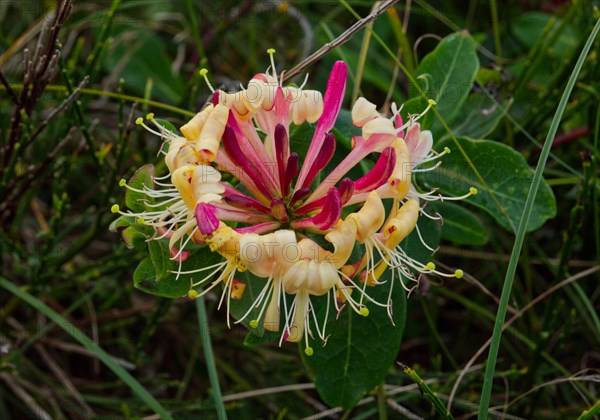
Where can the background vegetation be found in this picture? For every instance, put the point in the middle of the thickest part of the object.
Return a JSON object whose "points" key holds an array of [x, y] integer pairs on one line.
{"points": [[75, 77]]}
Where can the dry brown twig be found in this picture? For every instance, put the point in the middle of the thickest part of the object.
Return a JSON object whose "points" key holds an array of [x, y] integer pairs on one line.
{"points": [[340, 40]]}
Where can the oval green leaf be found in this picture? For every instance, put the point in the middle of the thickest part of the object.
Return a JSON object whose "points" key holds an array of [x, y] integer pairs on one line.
{"points": [[143, 177], [506, 174], [461, 225], [447, 75]]}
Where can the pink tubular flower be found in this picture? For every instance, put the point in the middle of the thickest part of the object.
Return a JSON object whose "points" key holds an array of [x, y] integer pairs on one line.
{"points": [[268, 219]]}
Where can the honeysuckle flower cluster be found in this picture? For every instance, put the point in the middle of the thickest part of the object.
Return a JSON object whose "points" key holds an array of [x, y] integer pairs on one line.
{"points": [[266, 219]]}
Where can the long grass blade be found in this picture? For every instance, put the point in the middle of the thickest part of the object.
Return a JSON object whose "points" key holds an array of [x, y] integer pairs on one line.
{"points": [[514, 259], [209, 358], [137, 388]]}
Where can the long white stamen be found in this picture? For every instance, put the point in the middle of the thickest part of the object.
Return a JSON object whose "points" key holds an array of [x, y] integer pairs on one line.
{"points": [[423, 240], [363, 293], [271, 52], [220, 265], [259, 299], [414, 119], [304, 82], [184, 244], [430, 169]]}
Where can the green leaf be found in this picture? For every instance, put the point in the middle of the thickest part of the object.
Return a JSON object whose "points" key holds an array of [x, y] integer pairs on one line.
{"points": [[479, 116], [159, 255], [506, 173], [134, 238], [300, 138], [155, 274], [361, 350], [167, 125], [344, 130], [416, 106], [140, 179], [121, 222], [461, 225], [146, 56], [252, 339], [528, 28], [447, 75]]}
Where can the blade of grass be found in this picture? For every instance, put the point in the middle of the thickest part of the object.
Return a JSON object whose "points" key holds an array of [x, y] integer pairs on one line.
{"points": [[514, 259], [137, 388], [590, 412], [362, 56], [209, 359]]}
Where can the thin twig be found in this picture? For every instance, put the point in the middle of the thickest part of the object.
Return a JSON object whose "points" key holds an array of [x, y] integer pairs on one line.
{"points": [[403, 411], [343, 38], [58, 110], [9, 90], [267, 391], [27, 399], [64, 379]]}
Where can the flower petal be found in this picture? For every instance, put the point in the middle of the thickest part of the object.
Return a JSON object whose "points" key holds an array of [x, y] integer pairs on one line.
{"points": [[332, 101]]}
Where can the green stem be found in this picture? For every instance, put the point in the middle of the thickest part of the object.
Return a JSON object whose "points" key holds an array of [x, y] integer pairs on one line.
{"points": [[428, 393], [514, 258], [209, 358], [496, 29], [381, 404]]}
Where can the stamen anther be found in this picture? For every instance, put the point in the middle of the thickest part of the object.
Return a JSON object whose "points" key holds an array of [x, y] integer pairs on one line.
{"points": [[203, 72]]}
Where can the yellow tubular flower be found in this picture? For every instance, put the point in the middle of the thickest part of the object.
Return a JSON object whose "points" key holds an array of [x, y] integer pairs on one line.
{"points": [[263, 253], [181, 180], [402, 224], [197, 183], [342, 239], [210, 136], [194, 127], [226, 242], [205, 183], [181, 152], [378, 125], [369, 218], [254, 95], [315, 105], [363, 111], [400, 180]]}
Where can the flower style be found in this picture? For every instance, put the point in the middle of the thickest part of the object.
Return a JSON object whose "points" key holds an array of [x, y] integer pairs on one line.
{"points": [[268, 218]]}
